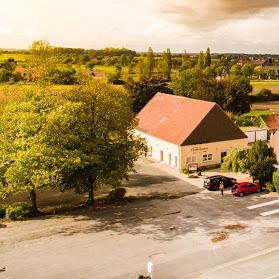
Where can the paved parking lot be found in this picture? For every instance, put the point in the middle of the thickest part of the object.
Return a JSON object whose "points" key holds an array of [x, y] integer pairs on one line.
{"points": [[186, 234]]}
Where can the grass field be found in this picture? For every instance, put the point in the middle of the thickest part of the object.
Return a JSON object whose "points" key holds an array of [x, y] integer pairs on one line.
{"points": [[20, 57], [110, 69], [272, 106], [272, 85], [259, 113]]}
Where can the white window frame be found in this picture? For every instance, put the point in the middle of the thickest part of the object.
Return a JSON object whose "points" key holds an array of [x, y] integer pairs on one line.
{"points": [[175, 161], [207, 157]]}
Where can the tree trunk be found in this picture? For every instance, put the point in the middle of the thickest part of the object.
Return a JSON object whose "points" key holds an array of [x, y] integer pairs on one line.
{"points": [[91, 189], [91, 200], [33, 197]]}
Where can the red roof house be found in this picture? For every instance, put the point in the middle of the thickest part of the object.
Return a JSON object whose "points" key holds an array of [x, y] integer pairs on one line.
{"points": [[189, 124]]}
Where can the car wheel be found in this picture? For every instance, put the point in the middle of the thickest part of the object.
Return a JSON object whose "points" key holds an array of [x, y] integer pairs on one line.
{"points": [[259, 190], [241, 194]]}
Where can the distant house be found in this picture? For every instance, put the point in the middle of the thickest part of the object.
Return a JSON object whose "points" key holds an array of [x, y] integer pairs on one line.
{"points": [[255, 62], [272, 123], [183, 132]]}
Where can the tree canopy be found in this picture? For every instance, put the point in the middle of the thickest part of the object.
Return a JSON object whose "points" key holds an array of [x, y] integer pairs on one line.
{"points": [[231, 93], [257, 161], [142, 91], [79, 140]]}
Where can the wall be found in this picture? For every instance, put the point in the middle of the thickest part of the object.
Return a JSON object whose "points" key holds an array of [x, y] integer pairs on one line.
{"points": [[170, 150], [256, 134], [214, 148]]}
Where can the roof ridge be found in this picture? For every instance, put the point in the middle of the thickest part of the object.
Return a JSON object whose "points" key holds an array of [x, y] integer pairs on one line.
{"points": [[183, 97]]}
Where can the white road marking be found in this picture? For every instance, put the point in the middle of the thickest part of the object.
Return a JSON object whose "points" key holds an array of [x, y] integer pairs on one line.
{"points": [[274, 276], [262, 204], [267, 213]]}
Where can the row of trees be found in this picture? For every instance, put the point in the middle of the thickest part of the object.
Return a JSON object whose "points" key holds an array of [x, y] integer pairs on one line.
{"points": [[77, 140], [231, 93]]}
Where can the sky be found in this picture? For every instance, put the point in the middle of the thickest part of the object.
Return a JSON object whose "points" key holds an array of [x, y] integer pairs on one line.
{"points": [[242, 26]]}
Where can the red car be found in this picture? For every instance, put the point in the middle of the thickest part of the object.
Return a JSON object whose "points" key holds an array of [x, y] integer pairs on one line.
{"points": [[244, 188]]}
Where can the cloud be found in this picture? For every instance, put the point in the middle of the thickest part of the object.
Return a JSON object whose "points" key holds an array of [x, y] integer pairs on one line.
{"points": [[208, 14]]}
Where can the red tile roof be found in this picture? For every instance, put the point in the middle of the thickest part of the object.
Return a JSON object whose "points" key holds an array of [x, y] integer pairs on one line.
{"points": [[272, 121], [185, 121]]}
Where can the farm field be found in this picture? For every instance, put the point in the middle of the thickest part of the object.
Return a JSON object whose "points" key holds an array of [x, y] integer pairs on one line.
{"points": [[272, 85], [20, 57]]}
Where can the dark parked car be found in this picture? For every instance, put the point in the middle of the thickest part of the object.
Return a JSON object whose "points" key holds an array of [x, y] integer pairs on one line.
{"points": [[244, 188], [212, 183]]}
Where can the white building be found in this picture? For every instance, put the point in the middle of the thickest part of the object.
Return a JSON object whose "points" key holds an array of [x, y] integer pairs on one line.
{"points": [[183, 132]]}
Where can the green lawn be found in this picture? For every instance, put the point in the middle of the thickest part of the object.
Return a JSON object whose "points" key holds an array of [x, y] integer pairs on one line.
{"points": [[110, 69], [258, 113], [272, 85]]}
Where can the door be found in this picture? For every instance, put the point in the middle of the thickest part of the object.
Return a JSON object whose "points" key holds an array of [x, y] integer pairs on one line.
{"points": [[161, 156], [169, 159]]}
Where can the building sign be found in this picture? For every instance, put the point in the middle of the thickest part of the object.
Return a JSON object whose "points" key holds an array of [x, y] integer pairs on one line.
{"points": [[192, 166], [194, 149]]}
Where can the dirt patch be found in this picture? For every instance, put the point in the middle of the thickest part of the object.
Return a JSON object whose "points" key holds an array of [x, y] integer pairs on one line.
{"points": [[219, 236], [2, 226], [235, 227]]}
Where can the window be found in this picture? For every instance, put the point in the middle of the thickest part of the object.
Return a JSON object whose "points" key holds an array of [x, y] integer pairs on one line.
{"points": [[169, 159], [161, 156], [175, 161], [207, 157], [150, 151], [191, 159]]}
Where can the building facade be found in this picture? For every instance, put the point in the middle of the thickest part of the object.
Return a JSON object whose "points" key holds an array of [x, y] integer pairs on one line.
{"points": [[186, 133]]}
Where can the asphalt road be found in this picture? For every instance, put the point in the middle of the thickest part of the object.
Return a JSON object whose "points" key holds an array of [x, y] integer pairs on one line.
{"points": [[262, 265], [176, 233]]}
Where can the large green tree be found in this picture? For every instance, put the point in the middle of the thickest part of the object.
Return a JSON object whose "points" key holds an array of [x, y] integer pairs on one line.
{"points": [[167, 64], [207, 58], [231, 93], [150, 62], [257, 161], [201, 61], [142, 91], [247, 70], [80, 140], [23, 158]]}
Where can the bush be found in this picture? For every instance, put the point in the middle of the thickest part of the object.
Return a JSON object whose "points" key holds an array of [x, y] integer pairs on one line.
{"points": [[117, 194], [270, 187], [18, 211], [275, 180], [264, 95], [2, 211]]}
